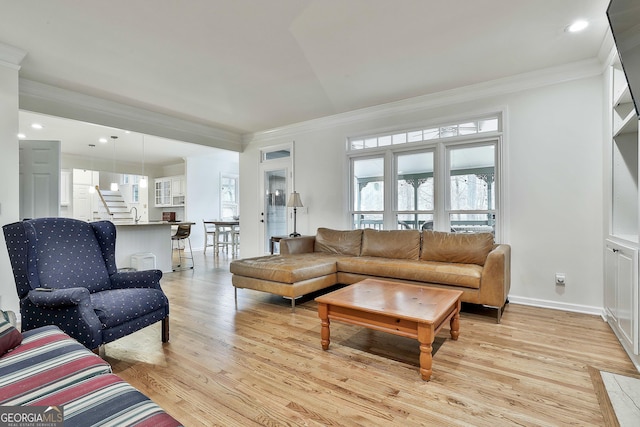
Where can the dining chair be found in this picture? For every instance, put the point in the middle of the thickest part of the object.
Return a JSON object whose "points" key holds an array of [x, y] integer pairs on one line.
{"points": [[209, 232]]}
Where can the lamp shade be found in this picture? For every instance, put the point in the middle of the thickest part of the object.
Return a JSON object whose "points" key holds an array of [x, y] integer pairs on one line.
{"points": [[294, 200]]}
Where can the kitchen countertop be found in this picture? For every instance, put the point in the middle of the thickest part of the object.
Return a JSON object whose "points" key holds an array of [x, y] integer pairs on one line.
{"points": [[143, 223]]}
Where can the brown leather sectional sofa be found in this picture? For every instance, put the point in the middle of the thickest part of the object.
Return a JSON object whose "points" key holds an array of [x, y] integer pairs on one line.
{"points": [[469, 262]]}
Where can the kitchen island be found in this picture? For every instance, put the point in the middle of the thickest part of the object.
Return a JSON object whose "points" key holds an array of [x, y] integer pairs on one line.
{"points": [[145, 237]]}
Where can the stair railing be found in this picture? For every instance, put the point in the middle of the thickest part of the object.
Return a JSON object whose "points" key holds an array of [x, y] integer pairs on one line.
{"points": [[104, 202]]}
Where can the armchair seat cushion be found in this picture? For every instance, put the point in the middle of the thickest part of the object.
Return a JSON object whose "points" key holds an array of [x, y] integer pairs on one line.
{"points": [[117, 306]]}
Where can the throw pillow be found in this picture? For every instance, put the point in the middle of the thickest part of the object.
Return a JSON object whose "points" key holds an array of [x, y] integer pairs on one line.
{"points": [[10, 337]]}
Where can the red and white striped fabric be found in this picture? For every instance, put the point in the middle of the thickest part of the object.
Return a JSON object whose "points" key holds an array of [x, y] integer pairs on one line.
{"points": [[107, 400], [47, 360], [49, 368]]}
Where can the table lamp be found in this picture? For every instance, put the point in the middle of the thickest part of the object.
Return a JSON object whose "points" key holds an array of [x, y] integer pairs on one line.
{"points": [[294, 202]]}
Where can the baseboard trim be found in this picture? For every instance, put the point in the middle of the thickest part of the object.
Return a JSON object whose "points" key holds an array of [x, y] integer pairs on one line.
{"points": [[576, 308]]}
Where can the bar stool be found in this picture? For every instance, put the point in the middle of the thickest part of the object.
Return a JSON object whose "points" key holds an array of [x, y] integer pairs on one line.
{"points": [[182, 233]]}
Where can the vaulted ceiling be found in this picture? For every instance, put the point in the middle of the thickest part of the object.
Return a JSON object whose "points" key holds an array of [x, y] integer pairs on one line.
{"points": [[248, 65], [251, 65]]}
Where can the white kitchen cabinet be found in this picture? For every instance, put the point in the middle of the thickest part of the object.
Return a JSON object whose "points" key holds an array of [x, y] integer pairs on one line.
{"points": [[178, 190], [169, 191]]}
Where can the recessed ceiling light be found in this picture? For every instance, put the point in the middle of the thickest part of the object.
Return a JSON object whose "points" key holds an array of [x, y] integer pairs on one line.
{"points": [[22, 136], [102, 140], [36, 126], [577, 26]]}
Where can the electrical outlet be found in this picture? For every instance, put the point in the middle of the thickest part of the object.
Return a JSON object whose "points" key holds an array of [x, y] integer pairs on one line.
{"points": [[560, 279]]}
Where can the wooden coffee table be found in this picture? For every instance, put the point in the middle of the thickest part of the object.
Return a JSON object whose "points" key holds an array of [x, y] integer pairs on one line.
{"points": [[411, 311]]}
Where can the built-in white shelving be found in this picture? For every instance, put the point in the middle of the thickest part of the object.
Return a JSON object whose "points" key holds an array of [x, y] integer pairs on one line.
{"points": [[622, 245]]}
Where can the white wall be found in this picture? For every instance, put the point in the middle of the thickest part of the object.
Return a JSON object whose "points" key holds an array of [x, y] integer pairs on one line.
{"points": [[9, 166], [553, 178], [203, 189]]}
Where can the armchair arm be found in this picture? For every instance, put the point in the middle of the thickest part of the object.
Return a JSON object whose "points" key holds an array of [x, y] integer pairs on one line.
{"points": [[297, 245], [58, 298], [70, 309], [136, 279]]}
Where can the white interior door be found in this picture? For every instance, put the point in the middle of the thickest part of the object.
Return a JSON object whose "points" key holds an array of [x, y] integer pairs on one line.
{"points": [[83, 197], [39, 179]]}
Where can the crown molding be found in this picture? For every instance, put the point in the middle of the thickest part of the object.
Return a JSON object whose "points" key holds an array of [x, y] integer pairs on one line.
{"points": [[513, 84], [55, 101], [11, 57]]}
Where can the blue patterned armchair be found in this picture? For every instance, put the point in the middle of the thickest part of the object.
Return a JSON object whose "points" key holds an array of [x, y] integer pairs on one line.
{"points": [[66, 275]]}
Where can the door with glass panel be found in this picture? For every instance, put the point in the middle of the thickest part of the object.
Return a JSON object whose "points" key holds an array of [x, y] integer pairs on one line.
{"points": [[472, 192], [275, 171], [274, 214], [414, 206]]}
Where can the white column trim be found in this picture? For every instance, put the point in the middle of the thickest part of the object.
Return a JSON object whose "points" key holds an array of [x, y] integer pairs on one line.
{"points": [[55, 101]]}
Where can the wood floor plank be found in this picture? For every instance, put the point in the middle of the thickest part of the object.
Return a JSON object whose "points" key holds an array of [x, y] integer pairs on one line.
{"points": [[263, 365]]}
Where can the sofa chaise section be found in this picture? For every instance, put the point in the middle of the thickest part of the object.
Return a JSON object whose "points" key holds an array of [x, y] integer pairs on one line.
{"points": [[288, 276]]}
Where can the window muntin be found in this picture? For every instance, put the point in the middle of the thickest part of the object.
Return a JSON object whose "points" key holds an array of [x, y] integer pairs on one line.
{"points": [[368, 192], [469, 127], [414, 195], [453, 188], [472, 192]]}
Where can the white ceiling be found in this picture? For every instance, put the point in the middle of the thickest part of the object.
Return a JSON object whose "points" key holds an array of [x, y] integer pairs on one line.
{"points": [[77, 137], [249, 65]]}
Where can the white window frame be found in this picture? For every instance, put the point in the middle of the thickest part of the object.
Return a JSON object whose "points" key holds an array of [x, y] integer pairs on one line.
{"points": [[235, 205], [441, 148]]}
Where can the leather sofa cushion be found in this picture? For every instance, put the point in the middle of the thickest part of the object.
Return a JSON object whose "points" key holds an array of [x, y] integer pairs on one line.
{"points": [[465, 248], [465, 275], [394, 244], [338, 242], [285, 268]]}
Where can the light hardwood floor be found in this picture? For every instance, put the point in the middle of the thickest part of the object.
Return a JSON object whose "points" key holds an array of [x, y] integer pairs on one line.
{"points": [[263, 365]]}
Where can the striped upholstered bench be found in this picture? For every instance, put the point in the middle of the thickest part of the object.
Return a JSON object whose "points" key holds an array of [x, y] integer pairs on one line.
{"points": [[49, 368], [106, 400], [47, 360]]}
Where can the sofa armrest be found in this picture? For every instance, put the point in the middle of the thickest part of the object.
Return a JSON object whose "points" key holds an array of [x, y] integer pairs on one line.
{"points": [[496, 275], [297, 245], [58, 298]]}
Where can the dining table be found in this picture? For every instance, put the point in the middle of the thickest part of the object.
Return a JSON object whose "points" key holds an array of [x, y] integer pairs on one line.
{"points": [[224, 228]]}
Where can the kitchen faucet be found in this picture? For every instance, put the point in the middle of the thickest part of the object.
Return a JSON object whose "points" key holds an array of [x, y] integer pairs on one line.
{"points": [[136, 218]]}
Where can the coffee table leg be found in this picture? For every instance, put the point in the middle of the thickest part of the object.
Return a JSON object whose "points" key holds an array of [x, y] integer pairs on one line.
{"points": [[455, 323], [323, 313], [425, 338]]}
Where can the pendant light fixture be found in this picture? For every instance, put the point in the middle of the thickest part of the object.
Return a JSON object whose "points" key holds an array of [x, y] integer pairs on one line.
{"points": [[143, 179], [114, 184]]}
